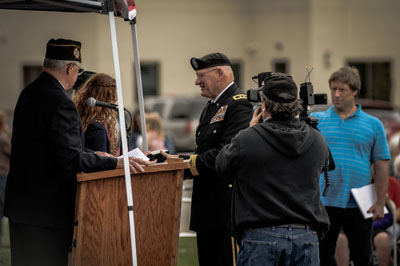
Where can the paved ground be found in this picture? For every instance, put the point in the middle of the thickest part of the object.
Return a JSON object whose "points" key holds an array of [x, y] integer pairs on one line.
{"points": [[185, 209]]}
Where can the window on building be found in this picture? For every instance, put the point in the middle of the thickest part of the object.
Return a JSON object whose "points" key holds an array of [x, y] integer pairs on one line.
{"points": [[237, 72], [150, 78], [280, 65], [31, 72], [375, 79]]}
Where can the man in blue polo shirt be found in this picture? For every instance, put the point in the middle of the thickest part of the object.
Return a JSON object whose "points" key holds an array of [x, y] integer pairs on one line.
{"points": [[357, 142]]}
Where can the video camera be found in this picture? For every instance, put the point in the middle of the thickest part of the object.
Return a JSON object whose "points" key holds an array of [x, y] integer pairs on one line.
{"points": [[253, 95], [307, 96]]}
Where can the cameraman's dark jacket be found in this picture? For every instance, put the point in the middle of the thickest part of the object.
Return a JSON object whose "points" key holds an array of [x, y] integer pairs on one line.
{"points": [[276, 166]]}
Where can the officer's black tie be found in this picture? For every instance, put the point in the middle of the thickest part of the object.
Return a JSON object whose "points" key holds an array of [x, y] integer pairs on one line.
{"points": [[210, 107]]}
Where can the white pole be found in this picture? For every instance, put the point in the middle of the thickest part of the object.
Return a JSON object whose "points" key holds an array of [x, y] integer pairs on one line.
{"points": [[139, 85], [123, 136]]}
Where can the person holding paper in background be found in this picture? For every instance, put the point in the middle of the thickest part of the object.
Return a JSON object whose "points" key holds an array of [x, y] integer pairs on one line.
{"points": [[356, 141], [382, 233]]}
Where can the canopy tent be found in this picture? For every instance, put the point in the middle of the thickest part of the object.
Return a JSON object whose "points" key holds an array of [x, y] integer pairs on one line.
{"points": [[61, 5], [121, 8]]}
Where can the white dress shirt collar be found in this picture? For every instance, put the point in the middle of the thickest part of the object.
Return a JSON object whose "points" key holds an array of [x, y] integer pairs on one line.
{"points": [[219, 95]]}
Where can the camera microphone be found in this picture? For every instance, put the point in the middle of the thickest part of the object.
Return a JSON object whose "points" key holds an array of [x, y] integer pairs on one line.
{"points": [[93, 102]]}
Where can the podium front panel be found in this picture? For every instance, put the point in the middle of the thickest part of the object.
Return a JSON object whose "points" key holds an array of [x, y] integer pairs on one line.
{"points": [[102, 232]]}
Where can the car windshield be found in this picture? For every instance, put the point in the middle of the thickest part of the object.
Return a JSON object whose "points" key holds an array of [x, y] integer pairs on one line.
{"points": [[159, 108], [186, 109]]}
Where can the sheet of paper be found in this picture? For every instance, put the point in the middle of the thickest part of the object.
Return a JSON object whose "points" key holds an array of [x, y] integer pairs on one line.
{"points": [[366, 197], [137, 153]]}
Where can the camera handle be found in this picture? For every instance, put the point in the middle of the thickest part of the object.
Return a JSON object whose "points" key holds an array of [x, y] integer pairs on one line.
{"points": [[330, 164]]}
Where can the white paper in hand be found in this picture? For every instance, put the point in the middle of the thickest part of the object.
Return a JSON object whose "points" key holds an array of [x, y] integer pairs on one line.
{"points": [[137, 153], [366, 197]]}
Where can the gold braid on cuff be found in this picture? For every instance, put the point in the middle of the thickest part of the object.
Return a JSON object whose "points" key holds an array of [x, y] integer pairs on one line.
{"points": [[193, 168]]}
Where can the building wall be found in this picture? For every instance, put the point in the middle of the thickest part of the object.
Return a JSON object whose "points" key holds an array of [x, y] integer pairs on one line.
{"points": [[25, 35], [356, 29], [280, 30], [308, 33]]}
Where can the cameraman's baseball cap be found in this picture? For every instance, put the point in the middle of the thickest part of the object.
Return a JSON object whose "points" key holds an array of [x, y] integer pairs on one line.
{"points": [[280, 88], [62, 49], [210, 60]]}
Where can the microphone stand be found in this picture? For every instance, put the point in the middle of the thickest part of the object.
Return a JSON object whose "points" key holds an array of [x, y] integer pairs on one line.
{"points": [[127, 128]]}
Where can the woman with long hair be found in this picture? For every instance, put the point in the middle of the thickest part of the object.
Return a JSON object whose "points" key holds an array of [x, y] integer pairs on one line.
{"points": [[99, 123]]}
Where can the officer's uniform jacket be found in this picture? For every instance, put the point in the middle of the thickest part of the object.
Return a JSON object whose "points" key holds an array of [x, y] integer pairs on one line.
{"points": [[219, 123]]}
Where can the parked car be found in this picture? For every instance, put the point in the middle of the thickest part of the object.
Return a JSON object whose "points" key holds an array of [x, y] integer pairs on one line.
{"points": [[385, 111], [180, 116]]}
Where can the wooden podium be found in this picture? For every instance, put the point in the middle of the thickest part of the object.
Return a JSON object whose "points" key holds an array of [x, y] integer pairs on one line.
{"points": [[102, 233]]}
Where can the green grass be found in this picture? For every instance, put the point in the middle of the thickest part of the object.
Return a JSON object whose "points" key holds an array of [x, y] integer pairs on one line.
{"points": [[187, 250], [5, 259]]}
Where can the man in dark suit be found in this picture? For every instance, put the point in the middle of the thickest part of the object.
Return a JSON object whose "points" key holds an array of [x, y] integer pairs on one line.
{"points": [[46, 154], [227, 112]]}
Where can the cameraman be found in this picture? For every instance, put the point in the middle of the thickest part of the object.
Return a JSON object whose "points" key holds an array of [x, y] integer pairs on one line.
{"points": [[275, 166]]}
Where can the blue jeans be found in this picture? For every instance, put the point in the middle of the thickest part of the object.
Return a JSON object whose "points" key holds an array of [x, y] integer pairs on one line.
{"points": [[279, 246]]}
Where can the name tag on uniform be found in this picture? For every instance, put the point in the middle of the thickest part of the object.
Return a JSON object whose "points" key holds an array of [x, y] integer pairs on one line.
{"points": [[219, 116]]}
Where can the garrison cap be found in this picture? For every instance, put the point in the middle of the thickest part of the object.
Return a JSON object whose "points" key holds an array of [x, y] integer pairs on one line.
{"points": [[62, 49], [280, 88], [210, 60]]}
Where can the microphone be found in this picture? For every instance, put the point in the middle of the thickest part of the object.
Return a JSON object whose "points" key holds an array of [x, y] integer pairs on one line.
{"points": [[93, 102]]}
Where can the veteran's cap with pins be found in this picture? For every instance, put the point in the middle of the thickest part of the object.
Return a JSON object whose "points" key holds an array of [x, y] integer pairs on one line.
{"points": [[62, 49]]}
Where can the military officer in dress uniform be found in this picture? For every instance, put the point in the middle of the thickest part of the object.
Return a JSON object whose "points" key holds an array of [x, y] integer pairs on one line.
{"points": [[226, 113]]}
